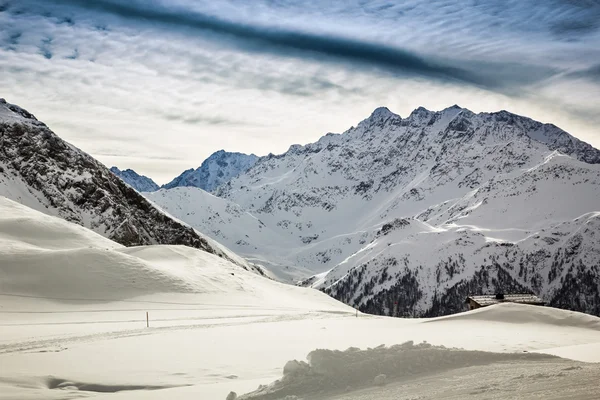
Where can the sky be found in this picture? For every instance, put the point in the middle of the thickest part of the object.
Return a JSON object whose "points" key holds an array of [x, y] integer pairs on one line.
{"points": [[159, 85]]}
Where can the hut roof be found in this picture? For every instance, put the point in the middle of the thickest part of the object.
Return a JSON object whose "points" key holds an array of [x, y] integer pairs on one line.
{"points": [[488, 300]]}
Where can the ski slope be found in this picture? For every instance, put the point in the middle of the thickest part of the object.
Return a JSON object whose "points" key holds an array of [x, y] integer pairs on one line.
{"points": [[73, 325]]}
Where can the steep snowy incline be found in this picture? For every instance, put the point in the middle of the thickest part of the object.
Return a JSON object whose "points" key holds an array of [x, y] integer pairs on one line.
{"points": [[217, 169], [43, 172], [498, 177], [141, 183]]}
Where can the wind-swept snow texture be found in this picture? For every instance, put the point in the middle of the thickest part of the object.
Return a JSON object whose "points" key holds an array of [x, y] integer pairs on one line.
{"points": [[407, 216], [141, 183], [41, 171], [217, 169]]}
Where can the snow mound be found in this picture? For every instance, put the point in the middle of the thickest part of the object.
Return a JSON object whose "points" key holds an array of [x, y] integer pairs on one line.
{"points": [[513, 313], [19, 224], [330, 371], [47, 257]]}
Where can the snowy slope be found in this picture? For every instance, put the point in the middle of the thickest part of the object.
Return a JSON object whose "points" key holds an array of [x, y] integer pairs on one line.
{"points": [[73, 316], [228, 223], [141, 183], [43, 172], [462, 180], [47, 257], [217, 169]]}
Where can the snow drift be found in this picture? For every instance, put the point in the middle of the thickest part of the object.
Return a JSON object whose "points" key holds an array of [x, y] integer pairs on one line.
{"points": [[328, 372]]}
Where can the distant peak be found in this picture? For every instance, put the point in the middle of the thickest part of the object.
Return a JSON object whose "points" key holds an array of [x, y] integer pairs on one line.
{"points": [[382, 113], [223, 153], [420, 112]]}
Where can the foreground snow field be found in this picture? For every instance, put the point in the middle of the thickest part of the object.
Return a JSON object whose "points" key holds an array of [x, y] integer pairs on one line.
{"points": [[73, 325]]}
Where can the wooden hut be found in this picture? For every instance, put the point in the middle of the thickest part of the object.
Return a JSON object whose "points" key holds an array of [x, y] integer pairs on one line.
{"points": [[475, 302]]}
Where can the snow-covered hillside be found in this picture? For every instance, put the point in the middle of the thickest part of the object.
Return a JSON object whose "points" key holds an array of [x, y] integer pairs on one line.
{"points": [[420, 211], [43, 172], [217, 169], [141, 183], [73, 316], [230, 224], [47, 257]]}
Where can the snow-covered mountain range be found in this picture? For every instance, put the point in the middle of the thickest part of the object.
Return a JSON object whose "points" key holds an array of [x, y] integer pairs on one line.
{"points": [[219, 168], [141, 183], [407, 216], [47, 174]]}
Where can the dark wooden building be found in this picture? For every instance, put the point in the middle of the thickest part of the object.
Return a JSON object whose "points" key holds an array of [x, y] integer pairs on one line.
{"points": [[475, 302]]}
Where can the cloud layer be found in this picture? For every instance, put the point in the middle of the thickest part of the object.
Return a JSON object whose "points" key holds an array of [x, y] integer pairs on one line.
{"points": [[118, 77]]}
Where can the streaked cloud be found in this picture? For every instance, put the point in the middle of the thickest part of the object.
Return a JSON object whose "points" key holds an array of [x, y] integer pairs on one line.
{"points": [[259, 76]]}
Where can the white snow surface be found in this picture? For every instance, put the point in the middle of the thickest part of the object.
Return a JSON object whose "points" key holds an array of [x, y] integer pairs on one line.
{"points": [[73, 325]]}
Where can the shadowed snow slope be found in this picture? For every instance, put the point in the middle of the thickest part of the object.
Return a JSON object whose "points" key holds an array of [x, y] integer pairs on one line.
{"points": [[328, 372], [387, 373]]}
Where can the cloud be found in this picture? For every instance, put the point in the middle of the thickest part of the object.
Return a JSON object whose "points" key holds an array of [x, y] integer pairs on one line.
{"points": [[158, 85], [196, 119], [300, 43], [45, 48], [592, 73]]}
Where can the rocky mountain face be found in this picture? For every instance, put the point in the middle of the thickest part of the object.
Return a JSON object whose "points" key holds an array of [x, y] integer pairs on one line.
{"points": [[217, 169], [406, 216], [139, 182], [43, 172]]}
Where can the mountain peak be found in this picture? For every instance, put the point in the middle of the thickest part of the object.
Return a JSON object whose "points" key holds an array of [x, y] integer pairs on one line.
{"points": [[218, 168], [453, 107], [382, 113], [14, 113], [139, 182], [379, 117], [420, 113]]}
